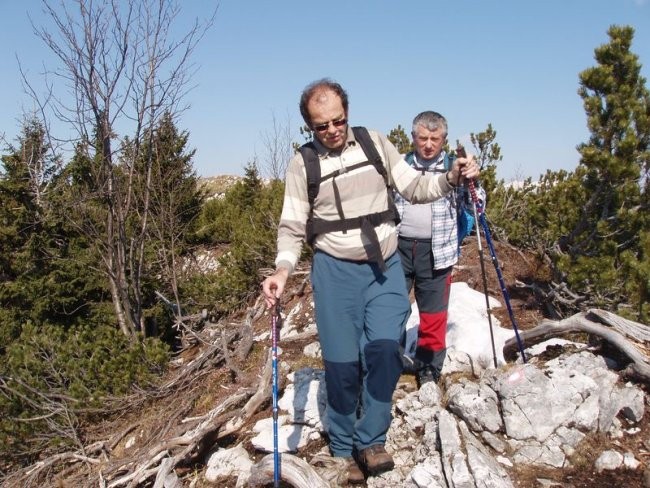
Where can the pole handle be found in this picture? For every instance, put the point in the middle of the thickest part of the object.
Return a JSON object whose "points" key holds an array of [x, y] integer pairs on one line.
{"points": [[461, 153]]}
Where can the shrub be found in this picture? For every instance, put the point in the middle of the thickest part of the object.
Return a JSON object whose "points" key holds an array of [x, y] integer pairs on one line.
{"points": [[52, 379]]}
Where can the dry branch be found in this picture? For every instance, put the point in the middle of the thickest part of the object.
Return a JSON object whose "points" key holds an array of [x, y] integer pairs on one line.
{"points": [[252, 315], [292, 470], [193, 444], [262, 395], [613, 329], [175, 441], [629, 328]]}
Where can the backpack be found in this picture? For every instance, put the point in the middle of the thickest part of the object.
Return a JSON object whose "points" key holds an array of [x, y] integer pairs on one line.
{"points": [[366, 223], [465, 211]]}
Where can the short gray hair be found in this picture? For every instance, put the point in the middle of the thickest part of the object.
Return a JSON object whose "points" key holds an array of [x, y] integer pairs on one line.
{"points": [[430, 120]]}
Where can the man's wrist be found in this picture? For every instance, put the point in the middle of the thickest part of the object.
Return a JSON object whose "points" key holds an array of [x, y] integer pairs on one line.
{"points": [[283, 271]]}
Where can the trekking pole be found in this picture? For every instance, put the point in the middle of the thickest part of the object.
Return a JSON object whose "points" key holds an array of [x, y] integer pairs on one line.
{"points": [[461, 153], [486, 231], [275, 324], [485, 285]]}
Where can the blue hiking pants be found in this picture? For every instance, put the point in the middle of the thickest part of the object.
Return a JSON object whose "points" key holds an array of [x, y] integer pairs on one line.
{"points": [[360, 314]]}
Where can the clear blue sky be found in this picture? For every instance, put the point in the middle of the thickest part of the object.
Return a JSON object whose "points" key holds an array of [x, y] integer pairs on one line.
{"points": [[511, 63]]}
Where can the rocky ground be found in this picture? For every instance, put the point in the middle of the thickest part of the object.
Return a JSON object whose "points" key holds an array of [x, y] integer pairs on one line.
{"points": [[519, 268], [217, 384], [519, 271]]}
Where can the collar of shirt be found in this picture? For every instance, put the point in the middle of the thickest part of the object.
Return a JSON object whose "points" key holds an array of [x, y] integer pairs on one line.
{"points": [[435, 164], [324, 152]]}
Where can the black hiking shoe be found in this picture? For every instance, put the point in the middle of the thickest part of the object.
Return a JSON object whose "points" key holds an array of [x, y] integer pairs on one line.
{"points": [[426, 375]]}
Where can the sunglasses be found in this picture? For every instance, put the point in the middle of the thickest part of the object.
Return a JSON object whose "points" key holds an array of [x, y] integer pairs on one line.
{"points": [[336, 123]]}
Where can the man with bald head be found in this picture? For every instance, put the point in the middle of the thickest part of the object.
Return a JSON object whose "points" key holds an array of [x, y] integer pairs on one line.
{"points": [[360, 298]]}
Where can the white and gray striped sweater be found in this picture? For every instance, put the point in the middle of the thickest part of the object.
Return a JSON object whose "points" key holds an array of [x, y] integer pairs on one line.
{"points": [[363, 191]]}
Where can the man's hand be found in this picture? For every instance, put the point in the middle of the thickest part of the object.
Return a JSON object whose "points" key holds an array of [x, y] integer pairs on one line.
{"points": [[462, 169], [273, 286]]}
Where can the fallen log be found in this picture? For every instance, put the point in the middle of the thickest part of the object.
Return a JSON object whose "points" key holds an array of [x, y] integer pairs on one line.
{"points": [[293, 470], [629, 328], [614, 332]]}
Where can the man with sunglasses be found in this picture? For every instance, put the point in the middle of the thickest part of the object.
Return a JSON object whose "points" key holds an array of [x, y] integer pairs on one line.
{"points": [[360, 298]]}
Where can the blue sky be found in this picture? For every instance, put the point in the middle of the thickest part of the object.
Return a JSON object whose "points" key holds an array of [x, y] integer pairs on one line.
{"points": [[511, 63]]}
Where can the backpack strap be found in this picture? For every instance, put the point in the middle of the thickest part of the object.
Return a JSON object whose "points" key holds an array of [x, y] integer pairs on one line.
{"points": [[363, 137], [366, 223], [312, 169], [312, 163], [449, 161]]}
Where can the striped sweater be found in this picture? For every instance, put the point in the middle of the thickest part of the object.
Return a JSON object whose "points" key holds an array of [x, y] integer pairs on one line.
{"points": [[362, 191]]}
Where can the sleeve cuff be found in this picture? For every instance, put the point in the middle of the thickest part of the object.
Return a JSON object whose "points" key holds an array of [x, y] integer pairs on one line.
{"points": [[284, 264]]}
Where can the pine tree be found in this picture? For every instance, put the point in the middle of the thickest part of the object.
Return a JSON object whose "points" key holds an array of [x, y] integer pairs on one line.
{"points": [[19, 225], [606, 252], [247, 220], [174, 201], [488, 154], [400, 140]]}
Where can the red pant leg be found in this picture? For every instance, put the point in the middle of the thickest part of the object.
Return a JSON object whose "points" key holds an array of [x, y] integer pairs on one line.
{"points": [[433, 330]]}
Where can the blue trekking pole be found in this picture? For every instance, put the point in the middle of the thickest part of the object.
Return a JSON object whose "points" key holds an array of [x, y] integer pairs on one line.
{"points": [[275, 323], [495, 261], [486, 231]]}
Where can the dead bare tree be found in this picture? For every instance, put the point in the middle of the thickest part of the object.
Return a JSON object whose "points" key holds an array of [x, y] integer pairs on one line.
{"points": [[119, 71], [277, 148]]}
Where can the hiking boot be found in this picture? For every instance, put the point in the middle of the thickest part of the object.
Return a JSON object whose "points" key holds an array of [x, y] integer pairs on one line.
{"points": [[426, 375], [355, 475], [374, 460]]}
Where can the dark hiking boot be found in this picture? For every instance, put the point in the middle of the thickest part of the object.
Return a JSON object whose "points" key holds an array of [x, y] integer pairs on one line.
{"points": [[374, 460], [426, 375], [430, 365], [355, 475], [438, 361]]}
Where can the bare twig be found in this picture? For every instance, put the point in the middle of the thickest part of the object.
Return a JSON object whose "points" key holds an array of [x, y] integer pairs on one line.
{"points": [[639, 366]]}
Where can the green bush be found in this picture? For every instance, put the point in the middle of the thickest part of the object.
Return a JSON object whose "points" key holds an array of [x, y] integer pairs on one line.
{"points": [[247, 219], [53, 379]]}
